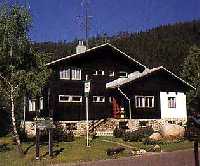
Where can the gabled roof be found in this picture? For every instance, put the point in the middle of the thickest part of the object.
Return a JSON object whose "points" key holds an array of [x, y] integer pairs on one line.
{"points": [[95, 48], [136, 75]]}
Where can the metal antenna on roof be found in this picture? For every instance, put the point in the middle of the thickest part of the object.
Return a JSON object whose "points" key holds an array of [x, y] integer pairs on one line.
{"points": [[86, 19]]}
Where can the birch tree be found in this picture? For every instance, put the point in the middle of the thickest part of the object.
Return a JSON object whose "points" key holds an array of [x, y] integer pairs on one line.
{"points": [[21, 69]]}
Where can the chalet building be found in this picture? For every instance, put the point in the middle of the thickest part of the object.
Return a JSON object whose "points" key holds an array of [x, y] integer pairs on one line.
{"points": [[122, 91]]}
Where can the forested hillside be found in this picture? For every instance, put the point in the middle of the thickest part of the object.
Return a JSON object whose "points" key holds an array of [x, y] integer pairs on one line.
{"points": [[165, 45]]}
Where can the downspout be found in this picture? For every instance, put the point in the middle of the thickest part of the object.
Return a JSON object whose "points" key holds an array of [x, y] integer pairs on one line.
{"points": [[129, 102]]}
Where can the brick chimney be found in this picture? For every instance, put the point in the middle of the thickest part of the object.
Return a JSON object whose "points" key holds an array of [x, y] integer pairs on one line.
{"points": [[80, 48]]}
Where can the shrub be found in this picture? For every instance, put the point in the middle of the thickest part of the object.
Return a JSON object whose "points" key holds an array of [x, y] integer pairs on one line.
{"points": [[138, 135], [61, 135], [115, 150], [118, 133]]}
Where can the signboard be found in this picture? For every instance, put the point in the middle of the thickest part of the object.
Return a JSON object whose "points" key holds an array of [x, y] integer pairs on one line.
{"points": [[87, 88], [42, 123]]}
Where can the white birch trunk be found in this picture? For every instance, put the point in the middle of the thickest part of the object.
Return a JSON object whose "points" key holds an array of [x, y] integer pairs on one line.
{"points": [[14, 128]]}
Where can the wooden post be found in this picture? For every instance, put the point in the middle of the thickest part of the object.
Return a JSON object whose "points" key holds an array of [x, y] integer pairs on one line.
{"points": [[50, 143], [196, 153], [37, 144]]}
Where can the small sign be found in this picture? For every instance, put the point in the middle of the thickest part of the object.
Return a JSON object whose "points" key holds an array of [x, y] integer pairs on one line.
{"points": [[87, 88], [44, 123]]}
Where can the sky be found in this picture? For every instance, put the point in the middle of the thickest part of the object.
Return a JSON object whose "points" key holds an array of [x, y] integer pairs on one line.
{"points": [[59, 20]]}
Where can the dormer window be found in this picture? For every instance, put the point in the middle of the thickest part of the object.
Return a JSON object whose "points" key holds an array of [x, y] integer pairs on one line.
{"points": [[65, 74], [123, 74]]}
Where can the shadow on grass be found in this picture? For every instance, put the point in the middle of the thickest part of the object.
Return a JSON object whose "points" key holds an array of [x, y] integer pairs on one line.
{"points": [[4, 148], [55, 152], [28, 148]]}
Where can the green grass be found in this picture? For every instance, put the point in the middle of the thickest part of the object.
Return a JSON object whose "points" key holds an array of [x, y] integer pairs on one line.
{"points": [[75, 151]]}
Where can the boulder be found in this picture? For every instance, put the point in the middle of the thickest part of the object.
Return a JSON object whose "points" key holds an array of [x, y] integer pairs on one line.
{"points": [[157, 148], [172, 131], [155, 136]]}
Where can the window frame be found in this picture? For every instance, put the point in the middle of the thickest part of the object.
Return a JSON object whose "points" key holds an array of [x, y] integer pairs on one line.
{"points": [[70, 99], [123, 72], [76, 70], [140, 101], [98, 99], [111, 73], [171, 103], [65, 72], [32, 105]]}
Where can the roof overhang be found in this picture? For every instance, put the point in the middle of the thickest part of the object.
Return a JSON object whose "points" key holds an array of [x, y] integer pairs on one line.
{"points": [[92, 49], [137, 75]]}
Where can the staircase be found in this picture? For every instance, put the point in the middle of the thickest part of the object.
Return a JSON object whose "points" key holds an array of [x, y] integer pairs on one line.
{"points": [[104, 127]]}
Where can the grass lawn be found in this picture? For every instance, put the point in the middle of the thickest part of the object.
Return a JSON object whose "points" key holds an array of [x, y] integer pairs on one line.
{"points": [[76, 151]]}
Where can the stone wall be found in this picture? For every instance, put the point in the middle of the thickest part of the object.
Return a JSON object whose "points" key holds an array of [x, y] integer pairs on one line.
{"points": [[106, 127]]}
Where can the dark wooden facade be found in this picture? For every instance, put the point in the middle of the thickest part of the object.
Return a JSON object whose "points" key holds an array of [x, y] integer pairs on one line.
{"points": [[149, 85], [105, 58]]}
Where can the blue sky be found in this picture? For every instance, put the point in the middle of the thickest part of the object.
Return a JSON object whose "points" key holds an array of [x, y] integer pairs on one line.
{"points": [[56, 20]]}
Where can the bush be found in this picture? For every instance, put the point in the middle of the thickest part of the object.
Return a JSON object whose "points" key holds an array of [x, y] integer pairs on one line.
{"points": [[148, 141], [115, 150], [61, 135], [118, 133], [138, 135]]}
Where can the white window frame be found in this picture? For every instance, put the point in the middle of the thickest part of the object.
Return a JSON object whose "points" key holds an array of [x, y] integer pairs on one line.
{"points": [[65, 74], [171, 101], [32, 105], [41, 103], [111, 73], [70, 99], [98, 99], [76, 74], [140, 102], [123, 76], [99, 72]]}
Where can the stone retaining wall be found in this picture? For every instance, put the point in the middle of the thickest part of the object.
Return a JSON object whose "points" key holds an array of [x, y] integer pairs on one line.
{"points": [[106, 126]]}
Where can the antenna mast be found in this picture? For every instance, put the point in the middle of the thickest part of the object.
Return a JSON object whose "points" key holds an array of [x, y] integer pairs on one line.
{"points": [[86, 17]]}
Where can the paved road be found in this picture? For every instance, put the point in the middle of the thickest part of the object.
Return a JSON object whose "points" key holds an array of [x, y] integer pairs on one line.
{"points": [[177, 158]]}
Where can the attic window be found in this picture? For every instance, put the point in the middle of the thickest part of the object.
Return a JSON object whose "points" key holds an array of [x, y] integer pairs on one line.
{"points": [[98, 99], [111, 73], [65, 74], [76, 74], [99, 72], [123, 74]]}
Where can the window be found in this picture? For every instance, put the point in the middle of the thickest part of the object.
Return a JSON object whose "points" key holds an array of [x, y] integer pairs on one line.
{"points": [[68, 98], [64, 98], [65, 74], [171, 102], [110, 99], [98, 99], [99, 72], [111, 73], [76, 99], [41, 103], [123, 74], [76, 74], [144, 101], [32, 105]]}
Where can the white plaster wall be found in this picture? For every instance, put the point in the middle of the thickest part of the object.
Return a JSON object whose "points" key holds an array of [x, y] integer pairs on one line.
{"points": [[179, 112]]}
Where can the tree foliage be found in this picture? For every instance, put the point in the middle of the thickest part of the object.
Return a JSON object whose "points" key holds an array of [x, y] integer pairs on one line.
{"points": [[22, 70]]}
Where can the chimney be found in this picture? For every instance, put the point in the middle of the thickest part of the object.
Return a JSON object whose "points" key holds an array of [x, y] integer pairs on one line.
{"points": [[80, 48]]}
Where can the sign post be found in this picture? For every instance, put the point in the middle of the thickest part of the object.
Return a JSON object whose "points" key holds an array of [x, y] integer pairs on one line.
{"points": [[86, 92]]}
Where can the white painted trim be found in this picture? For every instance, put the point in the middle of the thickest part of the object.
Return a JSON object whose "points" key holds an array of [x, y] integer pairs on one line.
{"points": [[98, 99], [88, 50], [70, 99]]}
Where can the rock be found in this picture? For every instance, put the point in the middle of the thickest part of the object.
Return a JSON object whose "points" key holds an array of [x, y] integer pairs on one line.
{"points": [[140, 152], [157, 148], [172, 131], [155, 136]]}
